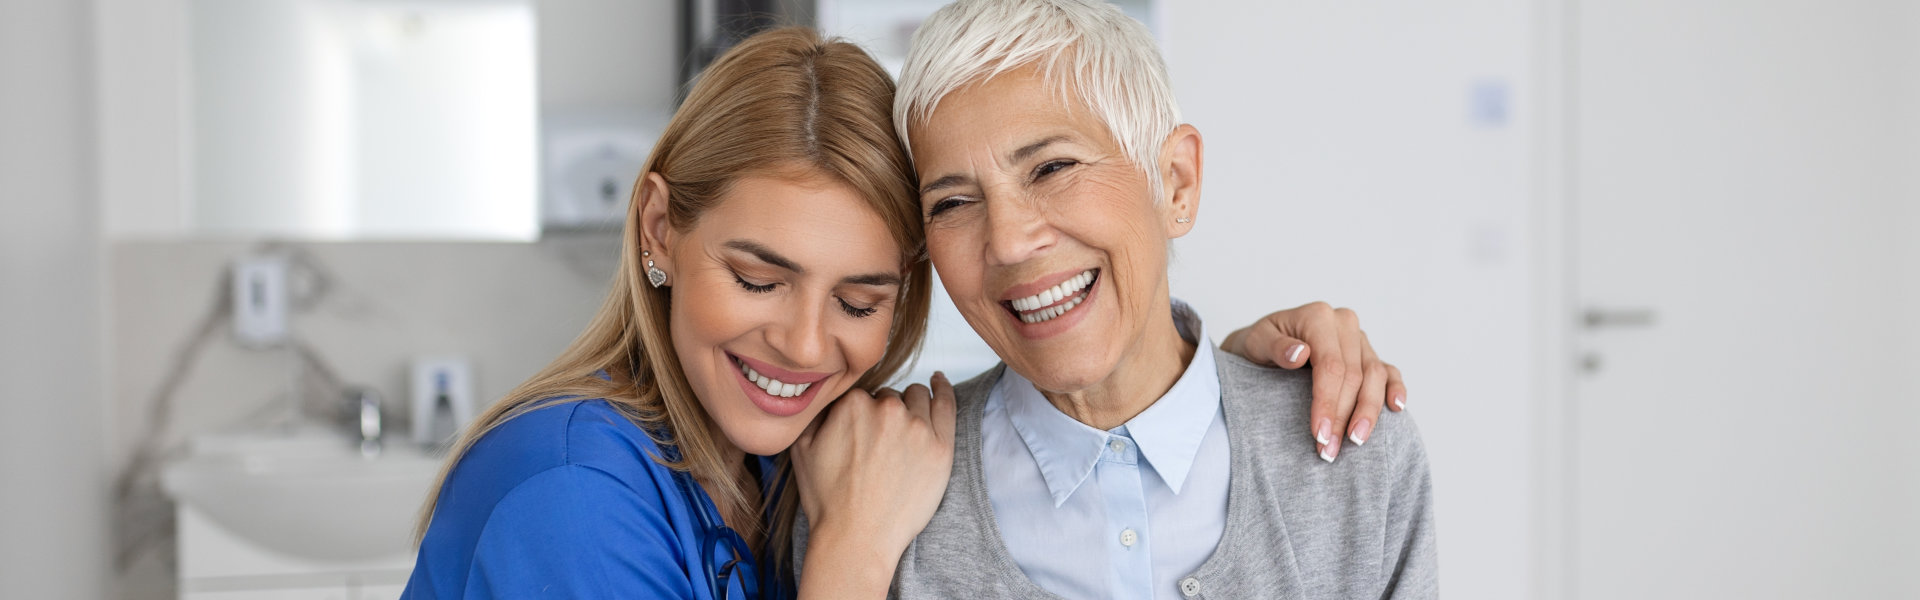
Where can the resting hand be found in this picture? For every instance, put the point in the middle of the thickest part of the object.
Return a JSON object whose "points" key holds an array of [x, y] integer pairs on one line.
{"points": [[871, 471], [1350, 383]]}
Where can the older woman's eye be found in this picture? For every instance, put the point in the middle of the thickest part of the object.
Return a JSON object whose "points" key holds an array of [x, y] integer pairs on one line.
{"points": [[857, 312], [1050, 167], [944, 205]]}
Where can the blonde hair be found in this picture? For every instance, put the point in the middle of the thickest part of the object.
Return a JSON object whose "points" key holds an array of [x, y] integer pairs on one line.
{"points": [[779, 101], [1106, 58]]}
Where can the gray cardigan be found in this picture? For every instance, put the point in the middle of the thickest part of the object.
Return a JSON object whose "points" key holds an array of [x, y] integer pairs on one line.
{"points": [[1297, 527]]}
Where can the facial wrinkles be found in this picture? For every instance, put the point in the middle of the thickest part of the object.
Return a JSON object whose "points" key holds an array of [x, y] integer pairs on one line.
{"points": [[1079, 204]]}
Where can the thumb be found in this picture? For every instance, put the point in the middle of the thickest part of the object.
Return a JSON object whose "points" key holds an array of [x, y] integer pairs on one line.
{"points": [[1287, 352], [944, 407]]}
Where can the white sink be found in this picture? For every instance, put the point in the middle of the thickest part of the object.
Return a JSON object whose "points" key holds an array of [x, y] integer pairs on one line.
{"points": [[307, 493]]}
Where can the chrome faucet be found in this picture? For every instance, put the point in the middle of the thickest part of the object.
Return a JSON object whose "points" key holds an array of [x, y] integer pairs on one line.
{"points": [[368, 401]]}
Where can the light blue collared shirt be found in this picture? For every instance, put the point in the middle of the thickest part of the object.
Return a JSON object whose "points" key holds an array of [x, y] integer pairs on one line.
{"points": [[1122, 513]]}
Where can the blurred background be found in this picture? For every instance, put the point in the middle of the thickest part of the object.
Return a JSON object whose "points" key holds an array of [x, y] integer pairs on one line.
{"points": [[1648, 266]]}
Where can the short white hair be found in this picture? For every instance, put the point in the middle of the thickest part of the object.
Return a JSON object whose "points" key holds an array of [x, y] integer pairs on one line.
{"points": [[1088, 47]]}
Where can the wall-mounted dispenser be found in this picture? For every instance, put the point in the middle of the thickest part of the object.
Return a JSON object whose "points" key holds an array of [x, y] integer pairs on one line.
{"points": [[443, 401], [260, 301]]}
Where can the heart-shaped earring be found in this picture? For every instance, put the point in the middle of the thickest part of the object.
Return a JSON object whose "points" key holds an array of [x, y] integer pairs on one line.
{"points": [[655, 276]]}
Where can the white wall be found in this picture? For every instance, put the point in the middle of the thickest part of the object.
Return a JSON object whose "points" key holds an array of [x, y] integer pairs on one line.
{"points": [[1907, 234], [53, 530], [608, 55], [1345, 162], [595, 57]]}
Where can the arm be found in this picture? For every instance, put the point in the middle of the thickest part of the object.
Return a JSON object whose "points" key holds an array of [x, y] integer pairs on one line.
{"points": [[871, 471], [577, 532], [1411, 566], [1350, 383]]}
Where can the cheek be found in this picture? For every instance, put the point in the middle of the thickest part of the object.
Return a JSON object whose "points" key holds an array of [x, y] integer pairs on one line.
{"points": [[955, 252], [865, 341], [704, 314]]}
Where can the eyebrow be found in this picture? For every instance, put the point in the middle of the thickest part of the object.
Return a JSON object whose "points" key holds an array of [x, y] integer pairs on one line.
{"points": [[1019, 155], [768, 256], [765, 254], [942, 183], [1030, 149]]}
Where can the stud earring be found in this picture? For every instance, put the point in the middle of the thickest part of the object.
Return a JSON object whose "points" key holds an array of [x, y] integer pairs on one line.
{"points": [[655, 276], [1182, 220]]}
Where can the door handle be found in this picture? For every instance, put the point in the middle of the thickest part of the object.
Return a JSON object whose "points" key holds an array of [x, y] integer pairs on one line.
{"points": [[1598, 318]]}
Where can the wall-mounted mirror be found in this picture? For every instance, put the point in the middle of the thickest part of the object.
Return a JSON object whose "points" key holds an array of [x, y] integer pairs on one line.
{"points": [[353, 119]]}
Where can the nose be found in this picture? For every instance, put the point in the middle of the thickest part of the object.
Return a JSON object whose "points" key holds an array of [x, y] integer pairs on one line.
{"points": [[802, 338], [1016, 229]]}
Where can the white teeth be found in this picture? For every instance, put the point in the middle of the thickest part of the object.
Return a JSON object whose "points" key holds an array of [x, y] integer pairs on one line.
{"points": [[1049, 313], [774, 387], [1056, 293]]}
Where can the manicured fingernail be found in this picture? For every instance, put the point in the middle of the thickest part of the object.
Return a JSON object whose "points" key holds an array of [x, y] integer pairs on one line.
{"points": [[1328, 451], [1360, 432], [1324, 433], [1400, 402], [1293, 354]]}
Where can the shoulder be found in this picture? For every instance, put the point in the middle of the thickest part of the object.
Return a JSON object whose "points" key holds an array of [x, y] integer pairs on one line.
{"points": [[589, 433], [542, 446], [1272, 406], [1281, 395], [565, 496], [976, 389]]}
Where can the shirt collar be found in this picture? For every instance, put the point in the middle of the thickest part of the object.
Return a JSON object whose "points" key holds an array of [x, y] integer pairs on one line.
{"points": [[1168, 432]]}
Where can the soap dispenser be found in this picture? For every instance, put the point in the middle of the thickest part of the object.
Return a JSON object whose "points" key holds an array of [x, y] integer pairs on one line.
{"points": [[442, 399]]}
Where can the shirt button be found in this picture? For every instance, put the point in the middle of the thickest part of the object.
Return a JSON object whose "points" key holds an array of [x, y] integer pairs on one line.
{"points": [[1189, 587], [1128, 537], [1116, 445]]}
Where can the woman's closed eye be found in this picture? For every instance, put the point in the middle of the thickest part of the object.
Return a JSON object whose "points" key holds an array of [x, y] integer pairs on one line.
{"points": [[757, 288], [945, 204], [855, 311], [1051, 167]]}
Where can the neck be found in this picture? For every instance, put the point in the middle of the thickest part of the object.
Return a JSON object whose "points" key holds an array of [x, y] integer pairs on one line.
{"points": [[734, 465], [1142, 376]]}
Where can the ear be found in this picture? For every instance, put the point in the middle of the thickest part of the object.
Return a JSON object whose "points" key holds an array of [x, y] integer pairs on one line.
{"points": [[1181, 158], [655, 230]]}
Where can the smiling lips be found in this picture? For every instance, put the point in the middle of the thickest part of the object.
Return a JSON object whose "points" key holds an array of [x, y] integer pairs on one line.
{"points": [[1051, 303], [773, 387]]}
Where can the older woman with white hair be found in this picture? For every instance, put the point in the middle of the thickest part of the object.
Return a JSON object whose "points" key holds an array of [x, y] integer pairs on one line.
{"points": [[1116, 453]]}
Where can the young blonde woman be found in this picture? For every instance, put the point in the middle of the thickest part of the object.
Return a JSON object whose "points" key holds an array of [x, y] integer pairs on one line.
{"points": [[773, 263]]}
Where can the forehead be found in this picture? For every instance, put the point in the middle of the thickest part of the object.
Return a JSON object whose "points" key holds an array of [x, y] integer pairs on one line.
{"points": [[1007, 108], [816, 219]]}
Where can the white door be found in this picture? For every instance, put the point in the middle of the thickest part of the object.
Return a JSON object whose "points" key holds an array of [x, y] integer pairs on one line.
{"points": [[1738, 425]]}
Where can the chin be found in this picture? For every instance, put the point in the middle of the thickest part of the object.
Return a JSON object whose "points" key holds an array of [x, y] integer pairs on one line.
{"points": [[765, 439], [1062, 376]]}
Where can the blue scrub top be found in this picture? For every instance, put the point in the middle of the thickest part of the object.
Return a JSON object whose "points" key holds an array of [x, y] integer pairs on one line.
{"points": [[567, 501]]}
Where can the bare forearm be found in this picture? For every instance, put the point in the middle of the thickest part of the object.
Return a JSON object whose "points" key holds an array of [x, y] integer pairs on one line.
{"points": [[846, 566]]}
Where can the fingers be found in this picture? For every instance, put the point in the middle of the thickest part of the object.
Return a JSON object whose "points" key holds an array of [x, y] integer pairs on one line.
{"points": [[919, 402], [1353, 344], [1396, 389], [1269, 341], [1288, 352], [1329, 371], [944, 407], [1373, 397], [804, 443]]}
